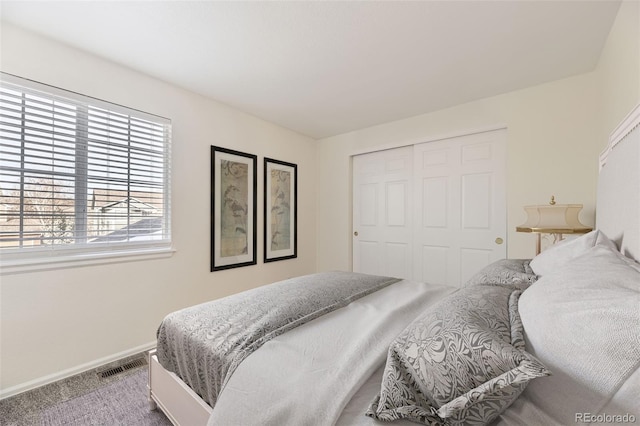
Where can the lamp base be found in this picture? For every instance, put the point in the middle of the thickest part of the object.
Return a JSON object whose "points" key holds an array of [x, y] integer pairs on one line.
{"points": [[557, 237]]}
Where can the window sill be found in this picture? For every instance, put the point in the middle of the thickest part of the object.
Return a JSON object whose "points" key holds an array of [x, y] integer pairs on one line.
{"points": [[37, 264]]}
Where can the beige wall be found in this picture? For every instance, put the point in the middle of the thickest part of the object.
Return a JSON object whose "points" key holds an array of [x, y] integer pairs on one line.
{"points": [[619, 67], [552, 146], [555, 134], [64, 319]]}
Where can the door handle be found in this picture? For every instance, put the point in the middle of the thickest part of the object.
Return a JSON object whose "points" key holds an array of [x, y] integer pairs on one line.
{"points": [[355, 234], [499, 241]]}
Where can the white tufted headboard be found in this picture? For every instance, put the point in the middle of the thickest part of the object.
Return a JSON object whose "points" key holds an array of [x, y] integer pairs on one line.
{"points": [[618, 202]]}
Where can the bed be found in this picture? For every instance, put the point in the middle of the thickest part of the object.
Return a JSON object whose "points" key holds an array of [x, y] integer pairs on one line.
{"points": [[552, 340]]}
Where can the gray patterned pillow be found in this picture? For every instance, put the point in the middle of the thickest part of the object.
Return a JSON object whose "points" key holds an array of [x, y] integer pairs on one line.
{"points": [[516, 272], [463, 360]]}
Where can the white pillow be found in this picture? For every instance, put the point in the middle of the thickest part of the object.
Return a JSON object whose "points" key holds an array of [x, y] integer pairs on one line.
{"points": [[559, 254], [583, 323]]}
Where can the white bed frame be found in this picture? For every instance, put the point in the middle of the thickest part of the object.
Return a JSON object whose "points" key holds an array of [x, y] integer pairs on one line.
{"points": [[618, 213], [176, 400]]}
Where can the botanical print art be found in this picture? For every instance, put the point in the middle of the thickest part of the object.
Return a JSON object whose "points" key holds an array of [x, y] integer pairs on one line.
{"points": [[280, 225], [234, 208], [280, 210]]}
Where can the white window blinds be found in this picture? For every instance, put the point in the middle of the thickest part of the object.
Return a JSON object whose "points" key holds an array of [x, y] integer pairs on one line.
{"points": [[79, 174]]}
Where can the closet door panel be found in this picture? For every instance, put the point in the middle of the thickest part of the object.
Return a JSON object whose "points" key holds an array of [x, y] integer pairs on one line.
{"points": [[460, 200], [382, 213]]}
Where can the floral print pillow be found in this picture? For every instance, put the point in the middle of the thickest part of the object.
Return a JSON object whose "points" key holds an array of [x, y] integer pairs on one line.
{"points": [[461, 362], [515, 272]]}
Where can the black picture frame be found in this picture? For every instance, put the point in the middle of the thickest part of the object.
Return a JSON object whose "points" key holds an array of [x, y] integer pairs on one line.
{"points": [[233, 208], [280, 210]]}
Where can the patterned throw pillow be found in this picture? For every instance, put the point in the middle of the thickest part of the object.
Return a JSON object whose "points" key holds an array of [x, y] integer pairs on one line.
{"points": [[515, 272], [463, 360]]}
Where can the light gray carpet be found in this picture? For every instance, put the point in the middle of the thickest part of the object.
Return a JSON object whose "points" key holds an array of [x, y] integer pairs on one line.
{"points": [[121, 403], [86, 399]]}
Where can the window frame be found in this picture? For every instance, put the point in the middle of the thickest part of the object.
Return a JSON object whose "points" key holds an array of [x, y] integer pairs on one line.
{"points": [[55, 256]]}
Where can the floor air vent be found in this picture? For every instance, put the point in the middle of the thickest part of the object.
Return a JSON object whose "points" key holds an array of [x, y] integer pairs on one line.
{"points": [[122, 368]]}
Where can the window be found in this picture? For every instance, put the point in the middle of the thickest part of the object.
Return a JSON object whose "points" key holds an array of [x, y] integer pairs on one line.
{"points": [[79, 176]]}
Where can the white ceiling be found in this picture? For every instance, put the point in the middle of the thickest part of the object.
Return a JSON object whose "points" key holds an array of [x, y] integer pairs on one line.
{"points": [[324, 68]]}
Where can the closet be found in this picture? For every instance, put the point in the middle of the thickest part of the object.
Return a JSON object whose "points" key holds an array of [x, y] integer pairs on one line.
{"points": [[431, 212]]}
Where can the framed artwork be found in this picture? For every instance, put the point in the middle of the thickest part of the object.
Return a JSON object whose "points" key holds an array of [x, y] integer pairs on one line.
{"points": [[233, 208], [280, 210]]}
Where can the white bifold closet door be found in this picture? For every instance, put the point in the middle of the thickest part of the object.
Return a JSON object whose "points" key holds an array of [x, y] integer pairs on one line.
{"points": [[382, 212], [432, 212]]}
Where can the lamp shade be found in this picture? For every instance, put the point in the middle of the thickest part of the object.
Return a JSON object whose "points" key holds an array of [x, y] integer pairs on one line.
{"points": [[557, 218]]}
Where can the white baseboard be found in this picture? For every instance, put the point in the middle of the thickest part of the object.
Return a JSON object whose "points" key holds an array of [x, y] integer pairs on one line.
{"points": [[45, 380]]}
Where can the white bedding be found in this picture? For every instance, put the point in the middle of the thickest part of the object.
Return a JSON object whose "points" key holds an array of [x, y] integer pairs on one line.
{"points": [[301, 364], [327, 392], [329, 370]]}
